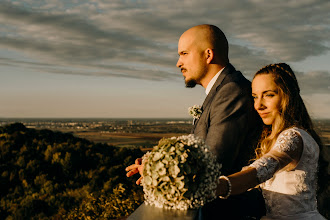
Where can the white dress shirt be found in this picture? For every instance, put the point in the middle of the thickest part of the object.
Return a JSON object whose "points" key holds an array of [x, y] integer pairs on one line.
{"points": [[211, 83]]}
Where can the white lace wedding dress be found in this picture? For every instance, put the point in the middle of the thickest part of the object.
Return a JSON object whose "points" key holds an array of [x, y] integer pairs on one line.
{"points": [[289, 186]]}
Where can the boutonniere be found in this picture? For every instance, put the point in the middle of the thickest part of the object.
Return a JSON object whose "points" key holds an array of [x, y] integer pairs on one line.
{"points": [[195, 111]]}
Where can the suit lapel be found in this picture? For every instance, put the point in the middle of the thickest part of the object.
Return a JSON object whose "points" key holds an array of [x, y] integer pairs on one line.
{"points": [[228, 69]]}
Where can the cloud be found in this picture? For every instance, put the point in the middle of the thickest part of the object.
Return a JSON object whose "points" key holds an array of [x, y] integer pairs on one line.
{"points": [[247, 60], [137, 39], [116, 70], [72, 42], [314, 82]]}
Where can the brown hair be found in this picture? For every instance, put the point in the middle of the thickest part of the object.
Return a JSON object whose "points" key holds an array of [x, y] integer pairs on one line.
{"points": [[293, 113]]}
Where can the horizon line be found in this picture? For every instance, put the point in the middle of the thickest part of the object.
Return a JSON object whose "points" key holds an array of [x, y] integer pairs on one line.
{"points": [[1, 118], [113, 118]]}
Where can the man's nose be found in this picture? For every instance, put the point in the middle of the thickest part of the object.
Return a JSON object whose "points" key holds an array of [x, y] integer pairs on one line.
{"points": [[179, 63]]}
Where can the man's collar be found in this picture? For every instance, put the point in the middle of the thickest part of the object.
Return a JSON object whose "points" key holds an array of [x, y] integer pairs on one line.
{"points": [[211, 83]]}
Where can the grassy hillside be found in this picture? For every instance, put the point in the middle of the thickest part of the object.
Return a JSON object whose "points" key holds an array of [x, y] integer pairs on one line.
{"points": [[53, 175]]}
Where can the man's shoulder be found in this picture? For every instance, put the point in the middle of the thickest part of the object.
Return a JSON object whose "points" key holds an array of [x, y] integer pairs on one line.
{"points": [[236, 76], [235, 80]]}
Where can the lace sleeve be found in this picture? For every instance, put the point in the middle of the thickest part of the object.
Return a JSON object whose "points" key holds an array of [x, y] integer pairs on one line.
{"points": [[286, 152]]}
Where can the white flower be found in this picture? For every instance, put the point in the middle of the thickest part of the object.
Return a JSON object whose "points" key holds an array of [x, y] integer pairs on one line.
{"points": [[195, 111], [180, 173], [157, 156]]}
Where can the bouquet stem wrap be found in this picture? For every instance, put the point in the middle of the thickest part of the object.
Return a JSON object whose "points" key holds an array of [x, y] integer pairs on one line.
{"points": [[180, 173]]}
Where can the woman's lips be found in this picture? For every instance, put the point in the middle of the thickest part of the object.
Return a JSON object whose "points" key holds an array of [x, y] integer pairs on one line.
{"points": [[263, 115]]}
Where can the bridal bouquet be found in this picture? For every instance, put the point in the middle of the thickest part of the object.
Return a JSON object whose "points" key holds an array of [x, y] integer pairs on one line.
{"points": [[180, 173]]}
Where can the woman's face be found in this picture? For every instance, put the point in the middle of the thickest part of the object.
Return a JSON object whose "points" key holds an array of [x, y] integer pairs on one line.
{"points": [[266, 98]]}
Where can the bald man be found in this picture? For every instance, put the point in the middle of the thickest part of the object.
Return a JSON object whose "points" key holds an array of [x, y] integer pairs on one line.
{"points": [[228, 123]]}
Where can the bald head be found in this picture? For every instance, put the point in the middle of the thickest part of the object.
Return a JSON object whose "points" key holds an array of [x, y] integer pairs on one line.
{"points": [[203, 52], [209, 36]]}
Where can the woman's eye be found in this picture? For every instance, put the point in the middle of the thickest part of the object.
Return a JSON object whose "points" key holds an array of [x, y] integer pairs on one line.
{"points": [[269, 95], [254, 97]]}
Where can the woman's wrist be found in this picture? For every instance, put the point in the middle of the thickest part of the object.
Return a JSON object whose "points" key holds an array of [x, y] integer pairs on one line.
{"points": [[224, 187]]}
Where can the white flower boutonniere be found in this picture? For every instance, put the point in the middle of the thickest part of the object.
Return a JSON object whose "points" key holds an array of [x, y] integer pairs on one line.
{"points": [[195, 111]]}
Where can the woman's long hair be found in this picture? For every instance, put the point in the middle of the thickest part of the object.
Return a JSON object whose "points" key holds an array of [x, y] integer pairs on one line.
{"points": [[293, 113]]}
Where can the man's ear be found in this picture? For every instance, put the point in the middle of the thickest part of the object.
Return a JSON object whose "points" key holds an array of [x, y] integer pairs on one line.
{"points": [[209, 55]]}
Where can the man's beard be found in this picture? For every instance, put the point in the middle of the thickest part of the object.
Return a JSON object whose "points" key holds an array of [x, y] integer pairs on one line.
{"points": [[190, 83]]}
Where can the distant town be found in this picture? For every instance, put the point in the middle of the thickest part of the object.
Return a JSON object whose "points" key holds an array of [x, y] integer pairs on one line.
{"points": [[128, 132], [106, 125], [122, 132]]}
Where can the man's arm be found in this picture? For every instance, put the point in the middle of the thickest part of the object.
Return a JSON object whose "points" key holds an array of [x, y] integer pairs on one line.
{"points": [[228, 123]]}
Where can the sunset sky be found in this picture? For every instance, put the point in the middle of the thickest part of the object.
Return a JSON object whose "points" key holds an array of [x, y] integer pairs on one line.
{"points": [[116, 58]]}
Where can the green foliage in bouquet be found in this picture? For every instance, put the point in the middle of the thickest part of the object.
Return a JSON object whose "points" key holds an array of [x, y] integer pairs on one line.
{"points": [[180, 173]]}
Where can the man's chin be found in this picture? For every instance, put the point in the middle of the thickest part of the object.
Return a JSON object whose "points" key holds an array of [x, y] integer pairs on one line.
{"points": [[190, 83]]}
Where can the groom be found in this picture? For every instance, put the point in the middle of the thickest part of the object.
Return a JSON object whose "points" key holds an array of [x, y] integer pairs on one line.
{"points": [[228, 122]]}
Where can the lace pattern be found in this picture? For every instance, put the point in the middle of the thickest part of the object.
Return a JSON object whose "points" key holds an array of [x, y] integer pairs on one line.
{"points": [[300, 183], [287, 140], [290, 192], [266, 167]]}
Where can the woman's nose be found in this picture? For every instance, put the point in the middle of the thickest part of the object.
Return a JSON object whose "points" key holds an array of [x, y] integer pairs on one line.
{"points": [[258, 104]]}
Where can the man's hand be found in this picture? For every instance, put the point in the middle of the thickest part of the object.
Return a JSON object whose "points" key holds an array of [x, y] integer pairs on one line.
{"points": [[134, 169]]}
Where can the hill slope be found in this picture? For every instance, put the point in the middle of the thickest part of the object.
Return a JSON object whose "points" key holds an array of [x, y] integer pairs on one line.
{"points": [[54, 175]]}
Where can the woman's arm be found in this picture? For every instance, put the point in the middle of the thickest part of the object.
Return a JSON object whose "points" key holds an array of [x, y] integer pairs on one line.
{"points": [[240, 182], [285, 154]]}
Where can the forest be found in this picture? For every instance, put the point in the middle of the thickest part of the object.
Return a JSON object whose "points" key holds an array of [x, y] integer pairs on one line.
{"points": [[53, 175], [46, 174]]}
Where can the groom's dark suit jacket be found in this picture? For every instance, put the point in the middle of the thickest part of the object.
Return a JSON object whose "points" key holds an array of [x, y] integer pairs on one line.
{"points": [[230, 126]]}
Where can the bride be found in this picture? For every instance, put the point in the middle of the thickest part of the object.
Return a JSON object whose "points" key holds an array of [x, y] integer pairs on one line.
{"points": [[287, 158]]}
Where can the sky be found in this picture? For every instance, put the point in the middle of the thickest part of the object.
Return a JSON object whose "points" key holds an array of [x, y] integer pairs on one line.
{"points": [[116, 58]]}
